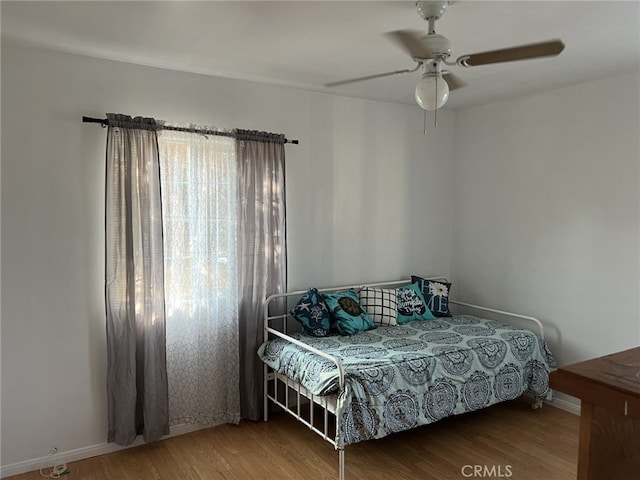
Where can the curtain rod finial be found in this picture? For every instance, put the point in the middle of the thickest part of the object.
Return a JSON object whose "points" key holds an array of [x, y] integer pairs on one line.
{"points": [[104, 123]]}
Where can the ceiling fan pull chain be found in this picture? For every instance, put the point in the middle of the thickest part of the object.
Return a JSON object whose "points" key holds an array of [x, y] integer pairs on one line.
{"points": [[424, 123]]}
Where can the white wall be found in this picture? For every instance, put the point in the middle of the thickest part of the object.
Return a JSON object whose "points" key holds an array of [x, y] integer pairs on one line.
{"points": [[546, 212], [368, 199]]}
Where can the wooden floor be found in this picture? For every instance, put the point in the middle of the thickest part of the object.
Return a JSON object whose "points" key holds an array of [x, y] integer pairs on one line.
{"points": [[506, 441]]}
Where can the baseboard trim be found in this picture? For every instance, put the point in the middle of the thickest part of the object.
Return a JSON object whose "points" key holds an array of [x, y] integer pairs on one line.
{"points": [[85, 452], [562, 401], [566, 402]]}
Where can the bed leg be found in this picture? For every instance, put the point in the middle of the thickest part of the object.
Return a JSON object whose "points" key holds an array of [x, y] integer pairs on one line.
{"points": [[537, 404], [265, 400], [341, 463]]}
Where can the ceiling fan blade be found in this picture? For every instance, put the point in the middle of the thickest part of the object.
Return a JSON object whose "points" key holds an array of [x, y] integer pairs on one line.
{"points": [[453, 81], [370, 77], [523, 52], [409, 41]]}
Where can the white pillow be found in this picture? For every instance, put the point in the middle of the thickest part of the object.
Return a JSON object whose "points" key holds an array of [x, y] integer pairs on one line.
{"points": [[381, 304]]}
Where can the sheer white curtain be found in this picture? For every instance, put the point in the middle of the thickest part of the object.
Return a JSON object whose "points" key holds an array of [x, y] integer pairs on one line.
{"points": [[200, 205]]}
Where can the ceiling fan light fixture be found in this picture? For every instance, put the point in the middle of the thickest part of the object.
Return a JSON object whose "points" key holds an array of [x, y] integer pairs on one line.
{"points": [[432, 91]]}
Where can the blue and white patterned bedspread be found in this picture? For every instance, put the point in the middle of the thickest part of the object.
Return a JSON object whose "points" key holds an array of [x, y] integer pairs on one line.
{"points": [[399, 377]]}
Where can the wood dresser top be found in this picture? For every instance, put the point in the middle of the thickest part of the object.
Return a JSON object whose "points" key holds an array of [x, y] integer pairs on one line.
{"points": [[618, 371]]}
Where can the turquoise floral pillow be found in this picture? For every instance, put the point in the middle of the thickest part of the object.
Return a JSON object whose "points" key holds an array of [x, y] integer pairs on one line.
{"points": [[436, 295], [346, 311], [312, 313], [412, 305]]}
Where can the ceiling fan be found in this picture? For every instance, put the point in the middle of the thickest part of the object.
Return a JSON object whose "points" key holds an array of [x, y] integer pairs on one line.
{"points": [[432, 50]]}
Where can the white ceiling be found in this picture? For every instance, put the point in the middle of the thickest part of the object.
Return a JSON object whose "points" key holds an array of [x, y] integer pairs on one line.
{"points": [[306, 44]]}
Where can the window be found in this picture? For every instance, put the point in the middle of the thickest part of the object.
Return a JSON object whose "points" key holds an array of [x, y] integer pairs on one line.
{"points": [[199, 202]]}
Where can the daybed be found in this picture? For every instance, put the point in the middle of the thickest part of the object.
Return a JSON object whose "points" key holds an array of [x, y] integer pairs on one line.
{"points": [[370, 383]]}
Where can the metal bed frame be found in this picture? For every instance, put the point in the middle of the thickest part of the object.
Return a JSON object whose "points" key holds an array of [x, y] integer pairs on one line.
{"points": [[328, 403]]}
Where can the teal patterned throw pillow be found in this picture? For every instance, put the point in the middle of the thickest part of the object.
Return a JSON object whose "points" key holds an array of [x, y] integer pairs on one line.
{"points": [[412, 305], [347, 312], [436, 295], [312, 313]]}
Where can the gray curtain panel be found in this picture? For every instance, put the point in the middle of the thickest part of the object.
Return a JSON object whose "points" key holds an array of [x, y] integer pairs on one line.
{"points": [[134, 284], [261, 251]]}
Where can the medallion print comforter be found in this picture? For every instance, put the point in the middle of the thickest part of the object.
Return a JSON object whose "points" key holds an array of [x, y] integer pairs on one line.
{"points": [[400, 377]]}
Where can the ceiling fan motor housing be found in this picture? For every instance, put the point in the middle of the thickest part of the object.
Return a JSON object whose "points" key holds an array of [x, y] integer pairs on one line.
{"points": [[435, 46]]}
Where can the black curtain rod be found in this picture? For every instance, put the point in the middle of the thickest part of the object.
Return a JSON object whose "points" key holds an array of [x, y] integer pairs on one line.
{"points": [[105, 123]]}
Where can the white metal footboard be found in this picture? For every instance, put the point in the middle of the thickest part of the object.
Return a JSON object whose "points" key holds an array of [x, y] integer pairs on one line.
{"points": [[326, 402]]}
